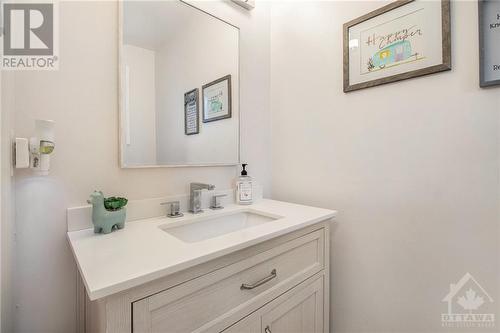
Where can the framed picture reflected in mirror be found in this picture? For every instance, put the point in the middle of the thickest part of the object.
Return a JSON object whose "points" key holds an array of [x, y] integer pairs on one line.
{"points": [[217, 99], [191, 112]]}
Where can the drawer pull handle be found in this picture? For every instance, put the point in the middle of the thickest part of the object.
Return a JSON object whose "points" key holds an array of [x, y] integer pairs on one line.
{"points": [[267, 330], [261, 282]]}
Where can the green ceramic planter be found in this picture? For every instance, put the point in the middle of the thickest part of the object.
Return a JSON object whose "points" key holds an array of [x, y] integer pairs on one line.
{"points": [[106, 220]]}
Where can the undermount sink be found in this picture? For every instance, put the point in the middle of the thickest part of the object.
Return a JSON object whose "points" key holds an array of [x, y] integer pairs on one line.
{"points": [[203, 228]]}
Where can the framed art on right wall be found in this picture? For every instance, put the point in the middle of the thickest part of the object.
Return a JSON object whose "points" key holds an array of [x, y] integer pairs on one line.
{"points": [[489, 42], [402, 40]]}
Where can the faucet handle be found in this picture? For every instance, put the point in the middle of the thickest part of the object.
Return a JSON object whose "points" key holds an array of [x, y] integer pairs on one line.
{"points": [[215, 203], [174, 209]]}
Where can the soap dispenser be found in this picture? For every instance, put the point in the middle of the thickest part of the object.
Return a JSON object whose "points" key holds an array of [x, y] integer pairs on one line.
{"points": [[244, 188]]}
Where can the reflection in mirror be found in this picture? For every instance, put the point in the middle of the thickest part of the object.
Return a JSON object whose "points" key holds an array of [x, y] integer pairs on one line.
{"points": [[179, 86]]}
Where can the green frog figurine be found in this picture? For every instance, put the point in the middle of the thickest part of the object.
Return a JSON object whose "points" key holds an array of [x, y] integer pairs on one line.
{"points": [[108, 213]]}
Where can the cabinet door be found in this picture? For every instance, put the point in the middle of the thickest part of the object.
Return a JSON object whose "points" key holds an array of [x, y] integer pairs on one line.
{"points": [[302, 312], [249, 324]]}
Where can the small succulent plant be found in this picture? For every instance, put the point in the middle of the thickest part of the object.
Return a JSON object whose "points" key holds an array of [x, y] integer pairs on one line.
{"points": [[115, 203]]}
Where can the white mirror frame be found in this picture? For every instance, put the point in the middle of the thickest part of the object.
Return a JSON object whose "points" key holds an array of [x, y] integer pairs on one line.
{"points": [[121, 90]]}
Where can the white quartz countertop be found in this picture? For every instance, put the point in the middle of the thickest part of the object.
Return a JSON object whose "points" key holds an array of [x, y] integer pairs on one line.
{"points": [[143, 252]]}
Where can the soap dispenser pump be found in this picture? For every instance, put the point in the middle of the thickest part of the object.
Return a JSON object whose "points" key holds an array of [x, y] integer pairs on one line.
{"points": [[244, 188]]}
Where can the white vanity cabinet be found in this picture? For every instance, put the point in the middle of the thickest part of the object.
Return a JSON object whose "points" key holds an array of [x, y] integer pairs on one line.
{"points": [[279, 285]]}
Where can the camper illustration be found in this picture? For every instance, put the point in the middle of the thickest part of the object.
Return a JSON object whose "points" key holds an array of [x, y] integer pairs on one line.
{"points": [[391, 54]]}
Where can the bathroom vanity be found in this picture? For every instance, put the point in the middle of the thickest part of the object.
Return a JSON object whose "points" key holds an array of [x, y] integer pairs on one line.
{"points": [[262, 268], [257, 268]]}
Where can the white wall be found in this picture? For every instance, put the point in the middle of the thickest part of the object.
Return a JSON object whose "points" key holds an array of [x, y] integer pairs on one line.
{"points": [[187, 61], [417, 187], [7, 227], [141, 126], [82, 99], [1, 208]]}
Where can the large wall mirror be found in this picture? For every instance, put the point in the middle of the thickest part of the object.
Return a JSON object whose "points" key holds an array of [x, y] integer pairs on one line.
{"points": [[179, 86]]}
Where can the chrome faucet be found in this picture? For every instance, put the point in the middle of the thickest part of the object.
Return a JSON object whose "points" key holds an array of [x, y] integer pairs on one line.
{"points": [[195, 196]]}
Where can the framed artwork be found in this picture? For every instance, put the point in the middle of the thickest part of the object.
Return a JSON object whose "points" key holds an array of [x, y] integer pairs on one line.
{"points": [[217, 99], [489, 46], [399, 41], [191, 112]]}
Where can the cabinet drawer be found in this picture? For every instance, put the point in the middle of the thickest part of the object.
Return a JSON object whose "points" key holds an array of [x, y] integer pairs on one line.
{"points": [[211, 299], [299, 310]]}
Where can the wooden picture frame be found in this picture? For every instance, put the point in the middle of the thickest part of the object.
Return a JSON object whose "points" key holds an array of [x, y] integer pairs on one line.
{"points": [[444, 65], [218, 94], [191, 112], [487, 50]]}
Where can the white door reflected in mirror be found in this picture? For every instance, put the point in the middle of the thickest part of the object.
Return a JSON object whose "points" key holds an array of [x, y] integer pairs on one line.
{"points": [[179, 86]]}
